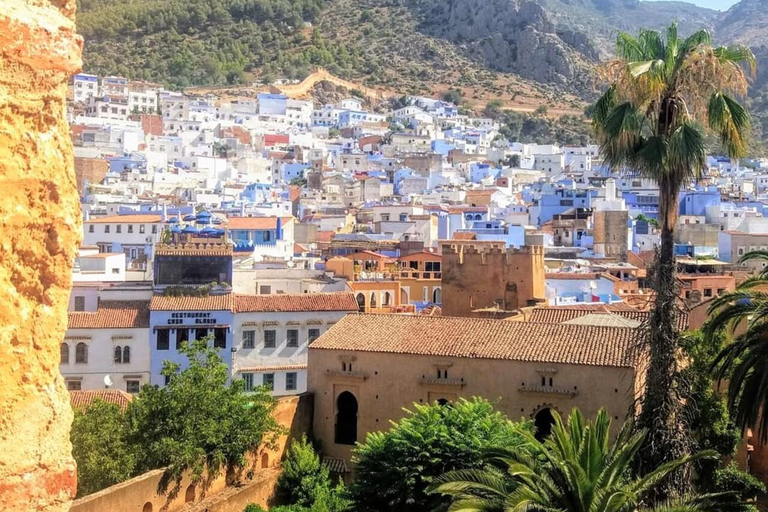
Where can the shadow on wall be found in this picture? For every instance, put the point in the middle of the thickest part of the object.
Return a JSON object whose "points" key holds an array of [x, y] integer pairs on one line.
{"points": [[222, 491]]}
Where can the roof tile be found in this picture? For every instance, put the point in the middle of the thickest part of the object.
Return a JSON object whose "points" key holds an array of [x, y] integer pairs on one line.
{"points": [[112, 314], [335, 301], [81, 400], [481, 339], [208, 303]]}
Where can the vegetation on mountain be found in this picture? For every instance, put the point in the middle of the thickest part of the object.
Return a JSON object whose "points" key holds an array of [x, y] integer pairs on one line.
{"points": [[576, 469], [395, 467], [539, 129], [649, 119], [198, 422]]}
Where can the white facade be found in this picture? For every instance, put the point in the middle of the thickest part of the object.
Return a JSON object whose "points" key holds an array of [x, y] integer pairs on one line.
{"points": [[84, 86]]}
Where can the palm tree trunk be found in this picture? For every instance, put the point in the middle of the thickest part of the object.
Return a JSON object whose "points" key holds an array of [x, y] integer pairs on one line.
{"points": [[666, 438]]}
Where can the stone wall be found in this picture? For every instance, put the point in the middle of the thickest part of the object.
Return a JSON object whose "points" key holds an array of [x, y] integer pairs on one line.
{"points": [[256, 482], [40, 225], [91, 171]]}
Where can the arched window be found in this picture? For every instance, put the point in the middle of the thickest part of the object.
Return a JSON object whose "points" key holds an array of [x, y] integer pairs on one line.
{"points": [[126, 355], [118, 355], [437, 296], [361, 302], [147, 507], [189, 495], [387, 299], [346, 418], [64, 353], [543, 422], [373, 300], [81, 353], [264, 460]]}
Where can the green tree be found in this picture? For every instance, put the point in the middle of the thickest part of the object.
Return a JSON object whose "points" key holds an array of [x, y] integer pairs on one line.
{"points": [[198, 421], [452, 96], [743, 362], [395, 467], [576, 469], [100, 447], [306, 482], [492, 109], [649, 120]]}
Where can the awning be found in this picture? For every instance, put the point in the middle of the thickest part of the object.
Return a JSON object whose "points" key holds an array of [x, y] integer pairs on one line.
{"points": [[197, 326]]}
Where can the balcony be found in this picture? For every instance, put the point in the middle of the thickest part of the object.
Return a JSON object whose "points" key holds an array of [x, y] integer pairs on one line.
{"points": [[548, 390], [417, 274], [442, 382]]}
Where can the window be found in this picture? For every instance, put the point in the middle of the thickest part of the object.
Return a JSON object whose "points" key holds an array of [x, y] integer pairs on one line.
{"points": [[384, 217], [163, 337], [166, 379], [81, 353], [90, 228], [118, 355], [313, 334], [220, 338], [269, 380], [142, 228], [130, 228], [126, 355], [293, 338], [79, 303], [270, 337], [290, 381], [265, 290], [106, 228], [154, 229], [118, 228], [248, 381], [707, 292], [115, 270], [201, 334], [249, 339], [64, 353], [74, 385], [720, 291], [132, 386]]}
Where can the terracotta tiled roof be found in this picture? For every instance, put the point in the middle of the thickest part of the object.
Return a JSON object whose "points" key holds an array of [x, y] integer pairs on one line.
{"points": [[252, 223], [112, 314], [336, 301], [464, 235], [81, 400], [134, 219], [210, 303], [481, 339], [560, 314]]}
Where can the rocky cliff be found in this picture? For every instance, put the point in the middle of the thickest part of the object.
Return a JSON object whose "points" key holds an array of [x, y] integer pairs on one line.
{"points": [[513, 36], [40, 225]]}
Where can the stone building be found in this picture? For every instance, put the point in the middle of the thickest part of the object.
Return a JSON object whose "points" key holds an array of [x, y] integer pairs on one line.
{"points": [[478, 275], [367, 368]]}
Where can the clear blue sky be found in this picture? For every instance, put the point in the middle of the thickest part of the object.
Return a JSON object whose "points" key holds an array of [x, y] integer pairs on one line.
{"points": [[720, 5]]}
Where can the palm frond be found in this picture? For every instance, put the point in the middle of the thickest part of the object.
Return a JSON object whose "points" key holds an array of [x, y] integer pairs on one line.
{"points": [[730, 120]]}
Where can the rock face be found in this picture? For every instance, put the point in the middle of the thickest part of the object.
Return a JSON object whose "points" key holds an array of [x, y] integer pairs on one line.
{"points": [[510, 35], [40, 225]]}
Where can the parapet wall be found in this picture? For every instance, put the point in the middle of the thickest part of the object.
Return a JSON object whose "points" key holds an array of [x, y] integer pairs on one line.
{"points": [[256, 482], [40, 224]]}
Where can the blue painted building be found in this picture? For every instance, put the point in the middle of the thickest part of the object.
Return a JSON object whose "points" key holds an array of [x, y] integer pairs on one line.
{"points": [[176, 320], [272, 104], [478, 172], [695, 202], [247, 232]]}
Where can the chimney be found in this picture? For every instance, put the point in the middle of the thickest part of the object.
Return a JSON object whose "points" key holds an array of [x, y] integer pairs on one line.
{"points": [[610, 189]]}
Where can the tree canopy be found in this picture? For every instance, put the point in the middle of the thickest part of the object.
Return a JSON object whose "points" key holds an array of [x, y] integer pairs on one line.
{"points": [[395, 467]]}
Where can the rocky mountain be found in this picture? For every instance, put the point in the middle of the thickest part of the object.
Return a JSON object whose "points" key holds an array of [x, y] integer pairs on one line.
{"points": [[523, 53]]}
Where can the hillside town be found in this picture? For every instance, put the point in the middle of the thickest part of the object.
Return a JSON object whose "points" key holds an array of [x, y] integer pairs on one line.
{"points": [[411, 255]]}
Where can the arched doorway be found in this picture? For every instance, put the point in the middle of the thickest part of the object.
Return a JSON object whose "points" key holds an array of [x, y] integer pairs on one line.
{"points": [[147, 507], [372, 302], [346, 418], [543, 422], [443, 401], [437, 296], [189, 495], [361, 303], [264, 460]]}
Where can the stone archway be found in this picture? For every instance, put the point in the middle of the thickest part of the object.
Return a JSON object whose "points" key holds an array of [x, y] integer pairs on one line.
{"points": [[189, 494], [346, 418], [361, 302], [264, 460], [543, 421]]}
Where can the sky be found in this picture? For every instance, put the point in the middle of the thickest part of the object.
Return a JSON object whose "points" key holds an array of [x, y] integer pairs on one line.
{"points": [[719, 5]]}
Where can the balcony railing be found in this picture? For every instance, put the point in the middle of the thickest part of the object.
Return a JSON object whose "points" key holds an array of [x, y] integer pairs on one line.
{"points": [[416, 274]]}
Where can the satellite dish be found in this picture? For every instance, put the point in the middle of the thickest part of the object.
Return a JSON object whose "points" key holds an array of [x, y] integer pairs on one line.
{"points": [[107, 381]]}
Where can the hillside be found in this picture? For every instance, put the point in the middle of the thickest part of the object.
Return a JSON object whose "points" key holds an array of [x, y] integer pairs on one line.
{"points": [[521, 53]]}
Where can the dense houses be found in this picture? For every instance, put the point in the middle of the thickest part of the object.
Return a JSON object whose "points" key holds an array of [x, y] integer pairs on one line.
{"points": [[376, 255]]}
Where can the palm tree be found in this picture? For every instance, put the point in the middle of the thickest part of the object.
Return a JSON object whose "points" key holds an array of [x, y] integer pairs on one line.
{"points": [[651, 121], [745, 361], [576, 470]]}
